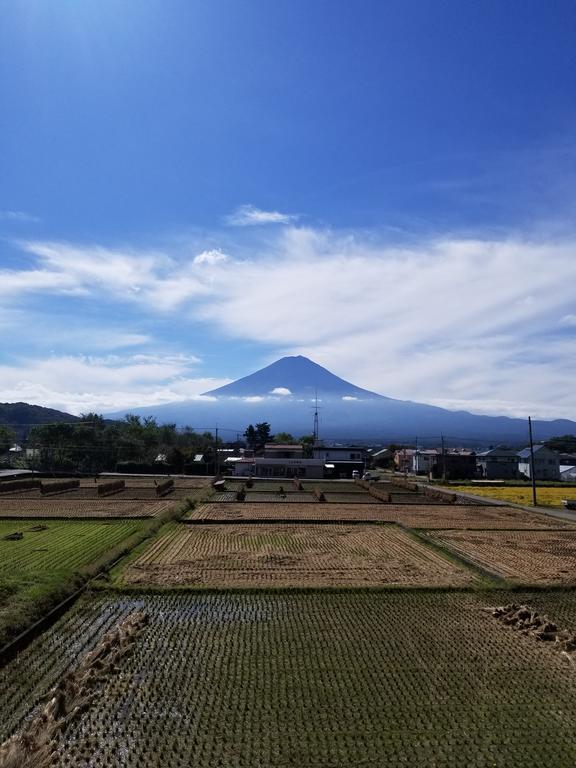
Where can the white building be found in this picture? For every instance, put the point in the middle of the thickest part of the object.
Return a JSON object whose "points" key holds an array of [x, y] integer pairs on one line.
{"points": [[546, 463], [339, 452], [417, 461], [263, 466]]}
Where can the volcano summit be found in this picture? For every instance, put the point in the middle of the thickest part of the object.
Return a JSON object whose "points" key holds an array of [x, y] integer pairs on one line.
{"points": [[297, 376]]}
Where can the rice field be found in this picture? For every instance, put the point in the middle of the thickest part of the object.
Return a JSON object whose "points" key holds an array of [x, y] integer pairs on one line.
{"points": [[413, 516], [314, 680], [43, 561], [526, 557], [66, 508], [57, 546], [291, 555], [295, 497], [546, 496], [90, 492], [281, 631]]}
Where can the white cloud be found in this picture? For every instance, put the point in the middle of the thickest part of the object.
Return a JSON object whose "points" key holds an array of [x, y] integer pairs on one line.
{"points": [[20, 216], [150, 278], [211, 257], [280, 391], [78, 384], [349, 397], [119, 340], [249, 216], [446, 321]]}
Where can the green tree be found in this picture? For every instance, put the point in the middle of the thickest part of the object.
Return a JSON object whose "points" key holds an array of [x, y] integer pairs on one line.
{"points": [[54, 444], [7, 437], [284, 438], [251, 437], [308, 445], [562, 444], [257, 436]]}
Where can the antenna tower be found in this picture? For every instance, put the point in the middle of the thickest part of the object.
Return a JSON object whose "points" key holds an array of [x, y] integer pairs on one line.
{"points": [[316, 438]]}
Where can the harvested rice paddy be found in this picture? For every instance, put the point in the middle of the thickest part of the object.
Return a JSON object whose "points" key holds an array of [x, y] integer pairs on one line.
{"points": [[413, 516], [285, 555], [67, 508], [325, 680], [526, 557]]}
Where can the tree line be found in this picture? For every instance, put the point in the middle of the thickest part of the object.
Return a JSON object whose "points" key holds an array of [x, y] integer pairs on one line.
{"points": [[94, 444]]}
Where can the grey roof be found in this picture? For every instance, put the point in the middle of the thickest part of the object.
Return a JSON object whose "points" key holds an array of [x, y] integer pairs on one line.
{"points": [[525, 452], [496, 452]]}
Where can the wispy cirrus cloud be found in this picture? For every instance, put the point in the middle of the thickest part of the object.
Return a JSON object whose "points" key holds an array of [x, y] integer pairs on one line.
{"points": [[250, 216], [448, 320], [21, 216], [150, 278], [482, 324], [83, 383]]}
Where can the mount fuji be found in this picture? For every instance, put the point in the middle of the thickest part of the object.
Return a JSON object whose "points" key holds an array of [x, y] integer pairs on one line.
{"points": [[297, 376], [285, 394]]}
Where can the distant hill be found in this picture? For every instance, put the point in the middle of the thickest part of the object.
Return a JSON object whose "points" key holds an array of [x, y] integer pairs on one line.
{"points": [[283, 394], [21, 416]]}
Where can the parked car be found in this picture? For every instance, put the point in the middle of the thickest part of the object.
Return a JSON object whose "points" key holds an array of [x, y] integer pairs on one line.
{"points": [[355, 474]]}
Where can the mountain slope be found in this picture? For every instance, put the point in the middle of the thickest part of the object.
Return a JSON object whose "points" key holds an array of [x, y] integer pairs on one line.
{"points": [[21, 416], [346, 411], [299, 375]]}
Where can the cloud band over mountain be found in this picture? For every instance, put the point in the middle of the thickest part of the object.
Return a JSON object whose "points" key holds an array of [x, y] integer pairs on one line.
{"points": [[481, 324]]}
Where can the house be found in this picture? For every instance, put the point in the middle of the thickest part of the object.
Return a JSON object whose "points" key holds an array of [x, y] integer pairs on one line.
{"points": [[340, 461], [240, 467], [423, 460], [546, 463], [339, 452], [417, 461], [455, 465], [279, 451], [263, 466], [383, 457], [403, 459], [497, 464], [567, 473]]}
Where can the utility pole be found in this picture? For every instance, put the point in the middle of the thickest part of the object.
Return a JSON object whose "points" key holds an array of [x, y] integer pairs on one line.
{"points": [[217, 462], [532, 475], [443, 459]]}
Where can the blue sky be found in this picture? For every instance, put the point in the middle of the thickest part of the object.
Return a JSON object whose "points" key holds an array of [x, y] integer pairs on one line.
{"points": [[189, 190]]}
